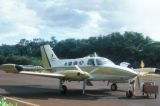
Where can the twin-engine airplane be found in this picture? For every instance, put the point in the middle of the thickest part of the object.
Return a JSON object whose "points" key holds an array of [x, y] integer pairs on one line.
{"points": [[85, 69]]}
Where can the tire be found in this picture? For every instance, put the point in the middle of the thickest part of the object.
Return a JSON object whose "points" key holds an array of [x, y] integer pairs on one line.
{"points": [[63, 89], [155, 96], [114, 87], [147, 95], [129, 94]]}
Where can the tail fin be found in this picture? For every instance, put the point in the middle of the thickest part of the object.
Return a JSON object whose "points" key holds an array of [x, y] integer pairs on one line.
{"points": [[48, 56]]}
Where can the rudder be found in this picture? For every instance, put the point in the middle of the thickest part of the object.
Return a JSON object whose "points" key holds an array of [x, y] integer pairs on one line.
{"points": [[48, 56]]}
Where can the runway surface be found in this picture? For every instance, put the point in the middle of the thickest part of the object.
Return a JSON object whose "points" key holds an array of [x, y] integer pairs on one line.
{"points": [[29, 90]]}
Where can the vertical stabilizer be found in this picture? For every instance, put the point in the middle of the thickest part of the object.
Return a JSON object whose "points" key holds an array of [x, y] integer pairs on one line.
{"points": [[48, 56]]}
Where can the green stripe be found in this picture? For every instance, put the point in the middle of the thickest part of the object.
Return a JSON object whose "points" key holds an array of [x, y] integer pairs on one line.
{"points": [[46, 56]]}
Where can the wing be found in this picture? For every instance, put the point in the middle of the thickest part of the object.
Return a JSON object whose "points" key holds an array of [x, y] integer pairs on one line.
{"points": [[76, 75], [45, 74], [148, 72]]}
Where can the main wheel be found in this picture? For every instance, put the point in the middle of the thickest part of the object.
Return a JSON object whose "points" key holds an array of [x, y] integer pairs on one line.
{"points": [[63, 89], [155, 95], [129, 94], [114, 87]]}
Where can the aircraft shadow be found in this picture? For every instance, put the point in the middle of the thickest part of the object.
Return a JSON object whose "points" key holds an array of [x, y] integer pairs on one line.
{"points": [[136, 98], [37, 92]]}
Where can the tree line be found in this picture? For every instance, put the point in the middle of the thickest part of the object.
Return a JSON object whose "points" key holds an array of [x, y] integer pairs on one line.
{"points": [[130, 47]]}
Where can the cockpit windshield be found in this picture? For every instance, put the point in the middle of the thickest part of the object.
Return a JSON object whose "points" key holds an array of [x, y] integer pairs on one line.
{"points": [[102, 61], [91, 62]]}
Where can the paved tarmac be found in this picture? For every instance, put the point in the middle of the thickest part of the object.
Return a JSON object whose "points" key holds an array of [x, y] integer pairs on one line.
{"points": [[29, 90]]}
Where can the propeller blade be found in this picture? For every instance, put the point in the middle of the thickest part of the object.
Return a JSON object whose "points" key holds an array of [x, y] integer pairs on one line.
{"points": [[93, 70], [79, 69], [83, 72], [138, 82]]}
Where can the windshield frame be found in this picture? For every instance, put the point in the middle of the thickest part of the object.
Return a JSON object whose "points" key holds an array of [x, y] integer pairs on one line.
{"points": [[102, 61]]}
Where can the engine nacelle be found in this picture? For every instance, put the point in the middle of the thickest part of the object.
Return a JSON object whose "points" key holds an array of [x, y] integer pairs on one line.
{"points": [[75, 75], [11, 68]]}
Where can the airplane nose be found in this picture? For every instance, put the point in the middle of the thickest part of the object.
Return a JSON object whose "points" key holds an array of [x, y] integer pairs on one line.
{"points": [[132, 72], [86, 75]]}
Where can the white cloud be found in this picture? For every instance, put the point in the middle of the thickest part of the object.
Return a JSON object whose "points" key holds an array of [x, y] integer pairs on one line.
{"points": [[76, 18], [145, 17], [17, 21]]}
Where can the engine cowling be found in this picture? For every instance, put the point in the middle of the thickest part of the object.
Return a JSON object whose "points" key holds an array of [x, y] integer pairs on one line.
{"points": [[11, 68], [75, 75]]}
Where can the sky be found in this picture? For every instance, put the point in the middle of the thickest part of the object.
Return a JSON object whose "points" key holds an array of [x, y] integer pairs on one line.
{"points": [[76, 18]]}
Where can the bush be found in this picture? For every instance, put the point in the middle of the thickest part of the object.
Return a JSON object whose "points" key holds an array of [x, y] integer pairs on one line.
{"points": [[22, 60], [2, 58]]}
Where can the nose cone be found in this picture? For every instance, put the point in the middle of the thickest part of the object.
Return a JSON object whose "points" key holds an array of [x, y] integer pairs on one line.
{"points": [[129, 72], [86, 75], [133, 73]]}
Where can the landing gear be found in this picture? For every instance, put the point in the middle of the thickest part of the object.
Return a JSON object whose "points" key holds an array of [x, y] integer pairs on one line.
{"points": [[129, 94], [114, 87], [84, 86], [131, 91], [63, 88]]}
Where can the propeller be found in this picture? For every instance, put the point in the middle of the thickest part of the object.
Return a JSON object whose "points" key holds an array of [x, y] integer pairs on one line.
{"points": [[85, 80], [93, 70], [79, 69], [85, 74], [138, 81]]}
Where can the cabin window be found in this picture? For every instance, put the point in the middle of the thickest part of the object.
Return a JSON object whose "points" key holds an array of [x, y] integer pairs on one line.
{"points": [[65, 64], [91, 62], [75, 63], [70, 63], [81, 62]]}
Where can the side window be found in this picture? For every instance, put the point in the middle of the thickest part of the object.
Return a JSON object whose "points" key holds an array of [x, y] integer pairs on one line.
{"points": [[81, 62], [91, 62], [70, 63], [75, 63], [65, 64]]}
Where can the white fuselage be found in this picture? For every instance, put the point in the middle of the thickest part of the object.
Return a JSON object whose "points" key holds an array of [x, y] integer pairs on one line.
{"points": [[100, 68]]}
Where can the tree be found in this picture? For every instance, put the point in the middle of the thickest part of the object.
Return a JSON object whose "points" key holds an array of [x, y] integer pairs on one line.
{"points": [[130, 47]]}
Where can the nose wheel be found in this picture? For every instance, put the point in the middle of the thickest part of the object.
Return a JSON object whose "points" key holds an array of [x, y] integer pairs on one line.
{"points": [[63, 88], [114, 87]]}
